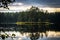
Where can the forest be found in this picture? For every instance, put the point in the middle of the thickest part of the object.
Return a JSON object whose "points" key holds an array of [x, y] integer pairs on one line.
{"points": [[45, 20]]}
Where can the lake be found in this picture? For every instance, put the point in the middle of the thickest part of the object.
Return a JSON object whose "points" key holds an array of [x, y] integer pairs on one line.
{"points": [[29, 32]]}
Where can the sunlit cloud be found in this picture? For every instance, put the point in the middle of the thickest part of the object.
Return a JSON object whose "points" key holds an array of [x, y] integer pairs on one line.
{"points": [[15, 8], [21, 8], [16, 4]]}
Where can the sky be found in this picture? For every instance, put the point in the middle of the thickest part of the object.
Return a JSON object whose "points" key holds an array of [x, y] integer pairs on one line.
{"points": [[22, 5]]}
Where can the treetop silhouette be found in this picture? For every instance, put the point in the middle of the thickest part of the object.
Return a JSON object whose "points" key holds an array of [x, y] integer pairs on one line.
{"points": [[4, 3]]}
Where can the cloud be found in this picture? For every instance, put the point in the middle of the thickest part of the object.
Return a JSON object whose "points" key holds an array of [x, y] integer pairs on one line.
{"points": [[50, 3], [15, 7], [16, 4], [22, 8]]}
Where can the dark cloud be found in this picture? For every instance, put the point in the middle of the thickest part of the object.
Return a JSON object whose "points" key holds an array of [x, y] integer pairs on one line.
{"points": [[50, 3]]}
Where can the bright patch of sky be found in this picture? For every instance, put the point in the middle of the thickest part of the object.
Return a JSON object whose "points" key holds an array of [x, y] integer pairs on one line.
{"points": [[22, 5]]}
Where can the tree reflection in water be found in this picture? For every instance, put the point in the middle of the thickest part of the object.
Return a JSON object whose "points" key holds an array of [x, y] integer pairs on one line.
{"points": [[3, 37], [34, 36], [37, 35]]}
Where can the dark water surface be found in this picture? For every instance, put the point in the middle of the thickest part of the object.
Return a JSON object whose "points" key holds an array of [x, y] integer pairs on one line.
{"points": [[29, 32]]}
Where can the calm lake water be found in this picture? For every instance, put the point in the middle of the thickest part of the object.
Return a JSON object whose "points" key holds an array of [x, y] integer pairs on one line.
{"points": [[28, 32]]}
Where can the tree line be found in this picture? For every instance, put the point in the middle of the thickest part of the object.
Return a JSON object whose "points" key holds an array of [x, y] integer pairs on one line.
{"points": [[34, 14]]}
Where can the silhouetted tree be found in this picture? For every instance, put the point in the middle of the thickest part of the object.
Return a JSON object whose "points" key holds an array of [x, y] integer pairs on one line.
{"points": [[4, 3]]}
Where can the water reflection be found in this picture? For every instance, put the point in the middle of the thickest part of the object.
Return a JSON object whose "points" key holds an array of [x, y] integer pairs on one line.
{"points": [[27, 32], [16, 35], [34, 36]]}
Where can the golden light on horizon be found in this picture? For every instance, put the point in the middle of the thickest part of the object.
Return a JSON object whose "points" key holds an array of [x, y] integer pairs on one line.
{"points": [[51, 9], [23, 8], [57, 9]]}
